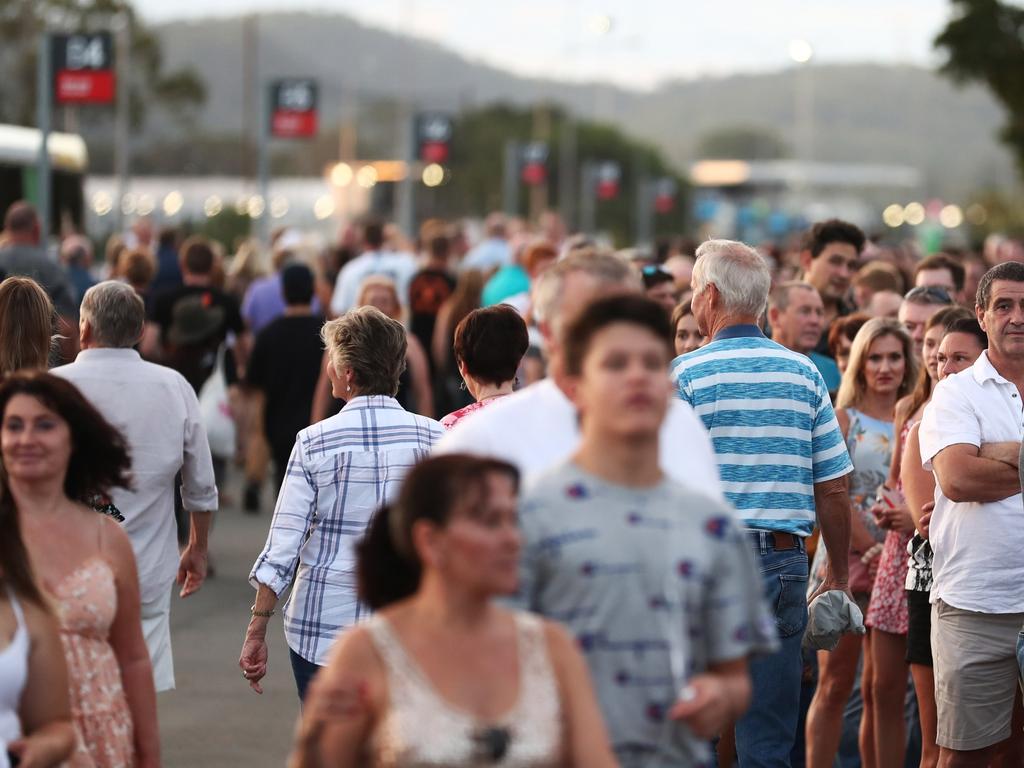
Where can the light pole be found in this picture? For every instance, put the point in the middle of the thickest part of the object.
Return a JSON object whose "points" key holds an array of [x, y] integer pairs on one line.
{"points": [[802, 53]]}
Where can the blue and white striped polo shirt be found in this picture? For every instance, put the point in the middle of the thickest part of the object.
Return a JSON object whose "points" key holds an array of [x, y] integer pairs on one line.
{"points": [[771, 424]]}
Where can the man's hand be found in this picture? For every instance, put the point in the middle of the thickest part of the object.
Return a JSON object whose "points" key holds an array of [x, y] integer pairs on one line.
{"points": [[192, 569], [831, 583], [708, 707], [253, 659]]}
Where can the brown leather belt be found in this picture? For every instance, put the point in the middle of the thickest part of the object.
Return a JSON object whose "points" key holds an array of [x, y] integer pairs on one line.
{"points": [[781, 541]]}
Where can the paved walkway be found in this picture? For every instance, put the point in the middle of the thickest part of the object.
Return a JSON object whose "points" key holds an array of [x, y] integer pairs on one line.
{"points": [[213, 719]]}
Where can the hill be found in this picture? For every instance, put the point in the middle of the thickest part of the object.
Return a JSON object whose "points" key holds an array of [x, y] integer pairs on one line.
{"points": [[868, 113]]}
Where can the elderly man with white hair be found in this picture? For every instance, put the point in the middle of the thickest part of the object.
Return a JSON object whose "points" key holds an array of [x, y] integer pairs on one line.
{"points": [[156, 410], [783, 463]]}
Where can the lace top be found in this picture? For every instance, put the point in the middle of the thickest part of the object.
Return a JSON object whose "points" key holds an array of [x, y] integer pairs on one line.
{"points": [[421, 730]]}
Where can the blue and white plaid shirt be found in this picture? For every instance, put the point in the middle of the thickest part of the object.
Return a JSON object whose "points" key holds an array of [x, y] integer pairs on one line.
{"points": [[340, 471]]}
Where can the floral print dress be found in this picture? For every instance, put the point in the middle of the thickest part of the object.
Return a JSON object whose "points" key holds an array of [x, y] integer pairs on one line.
{"points": [[86, 602], [869, 442]]}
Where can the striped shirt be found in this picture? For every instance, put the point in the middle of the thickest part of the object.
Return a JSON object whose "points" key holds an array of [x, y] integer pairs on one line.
{"points": [[771, 423], [340, 471]]}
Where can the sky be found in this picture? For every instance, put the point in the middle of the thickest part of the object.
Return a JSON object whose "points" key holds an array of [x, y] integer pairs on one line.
{"points": [[635, 43]]}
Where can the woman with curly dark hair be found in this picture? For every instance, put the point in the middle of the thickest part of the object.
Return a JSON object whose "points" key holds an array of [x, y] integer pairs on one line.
{"points": [[60, 458]]}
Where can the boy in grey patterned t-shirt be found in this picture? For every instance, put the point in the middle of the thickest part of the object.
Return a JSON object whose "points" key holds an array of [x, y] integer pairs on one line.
{"points": [[656, 584]]}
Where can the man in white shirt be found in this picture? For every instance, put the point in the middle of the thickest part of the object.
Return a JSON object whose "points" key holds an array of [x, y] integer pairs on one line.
{"points": [[536, 428], [977, 529], [156, 410], [400, 267]]}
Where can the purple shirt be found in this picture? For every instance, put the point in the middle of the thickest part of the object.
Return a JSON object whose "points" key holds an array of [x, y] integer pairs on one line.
{"points": [[264, 302]]}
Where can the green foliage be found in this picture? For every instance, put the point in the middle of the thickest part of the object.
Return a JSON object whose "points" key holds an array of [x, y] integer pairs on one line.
{"points": [[984, 42], [742, 142], [476, 167], [178, 94]]}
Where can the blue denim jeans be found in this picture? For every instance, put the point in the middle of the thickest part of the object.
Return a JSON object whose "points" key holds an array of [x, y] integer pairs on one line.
{"points": [[765, 735], [304, 672]]}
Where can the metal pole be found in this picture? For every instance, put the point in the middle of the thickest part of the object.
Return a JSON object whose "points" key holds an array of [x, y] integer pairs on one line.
{"points": [[510, 179], [264, 160], [406, 206], [121, 148], [567, 172], [644, 211], [588, 199], [43, 105]]}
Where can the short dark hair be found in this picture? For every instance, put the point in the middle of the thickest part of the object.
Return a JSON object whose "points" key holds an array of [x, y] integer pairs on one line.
{"points": [[387, 566], [373, 233], [943, 261], [970, 326], [297, 284], [624, 308], [833, 231], [491, 342], [20, 217], [197, 256], [1008, 270], [845, 327], [167, 238]]}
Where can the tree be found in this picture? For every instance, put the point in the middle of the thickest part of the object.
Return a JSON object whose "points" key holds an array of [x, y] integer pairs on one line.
{"points": [[741, 142], [22, 23], [984, 42]]}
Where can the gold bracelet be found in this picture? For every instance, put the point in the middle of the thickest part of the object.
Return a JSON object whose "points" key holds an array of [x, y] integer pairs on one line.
{"points": [[261, 614]]}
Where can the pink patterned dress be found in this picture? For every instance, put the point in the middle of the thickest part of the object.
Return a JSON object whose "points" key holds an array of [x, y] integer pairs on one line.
{"points": [[455, 417], [887, 611], [86, 602]]}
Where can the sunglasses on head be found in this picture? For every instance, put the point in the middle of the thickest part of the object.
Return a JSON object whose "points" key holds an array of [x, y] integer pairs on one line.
{"points": [[940, 295]]}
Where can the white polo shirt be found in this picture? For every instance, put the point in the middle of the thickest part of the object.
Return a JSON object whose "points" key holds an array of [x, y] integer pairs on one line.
{"points": [[537, 428], [979, 547]]}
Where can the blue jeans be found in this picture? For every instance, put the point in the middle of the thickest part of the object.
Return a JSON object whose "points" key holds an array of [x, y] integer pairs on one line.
{"points": [[765, 735], [304, 672]]}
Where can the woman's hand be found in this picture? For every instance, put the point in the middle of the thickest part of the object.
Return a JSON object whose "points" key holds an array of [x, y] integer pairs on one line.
{"points": [[925, 523], [253, 659], [896, 519]]}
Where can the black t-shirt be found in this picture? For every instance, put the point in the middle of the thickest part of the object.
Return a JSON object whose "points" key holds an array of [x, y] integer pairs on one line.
{"points": [[195, 361], [285, 366], [161, 310], [428, 290]]}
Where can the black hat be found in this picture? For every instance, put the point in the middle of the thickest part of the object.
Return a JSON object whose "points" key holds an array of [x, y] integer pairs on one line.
{"points": [[195, 320]]}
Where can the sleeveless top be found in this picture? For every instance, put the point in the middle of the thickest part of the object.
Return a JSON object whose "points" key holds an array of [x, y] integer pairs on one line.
{"points": [[870, 443], [86, 603], [421, 730], [13, 676]]}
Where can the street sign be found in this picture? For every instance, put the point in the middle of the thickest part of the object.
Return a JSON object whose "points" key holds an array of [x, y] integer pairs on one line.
{"points": [[83, 68], [608, 176], [433, 136], [293, 108], [665, 191], [534, 162]]}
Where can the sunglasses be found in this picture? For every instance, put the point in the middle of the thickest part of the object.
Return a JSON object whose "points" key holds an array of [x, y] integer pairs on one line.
{"points": [[934, 292], [492, 743]]}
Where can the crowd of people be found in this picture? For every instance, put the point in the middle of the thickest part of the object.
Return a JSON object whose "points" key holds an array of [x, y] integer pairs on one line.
{"points": [[537, 502]]}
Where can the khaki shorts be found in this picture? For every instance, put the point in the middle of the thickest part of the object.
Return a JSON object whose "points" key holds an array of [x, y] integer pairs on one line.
{"points": [[976, 675]]}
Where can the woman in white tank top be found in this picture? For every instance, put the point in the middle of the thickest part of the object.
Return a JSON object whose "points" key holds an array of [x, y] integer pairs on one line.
{"points": [[442, 675], [35, 714]]}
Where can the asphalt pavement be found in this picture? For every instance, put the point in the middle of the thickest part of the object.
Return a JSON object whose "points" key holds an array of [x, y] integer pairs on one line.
{"points": [[213, 719]]}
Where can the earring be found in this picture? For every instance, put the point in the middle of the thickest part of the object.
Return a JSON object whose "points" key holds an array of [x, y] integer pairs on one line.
{"points": [[462, 386]]}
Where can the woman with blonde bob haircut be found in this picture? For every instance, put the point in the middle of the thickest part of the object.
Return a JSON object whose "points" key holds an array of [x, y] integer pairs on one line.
{"points": [[339, 472], [882, 369]]}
